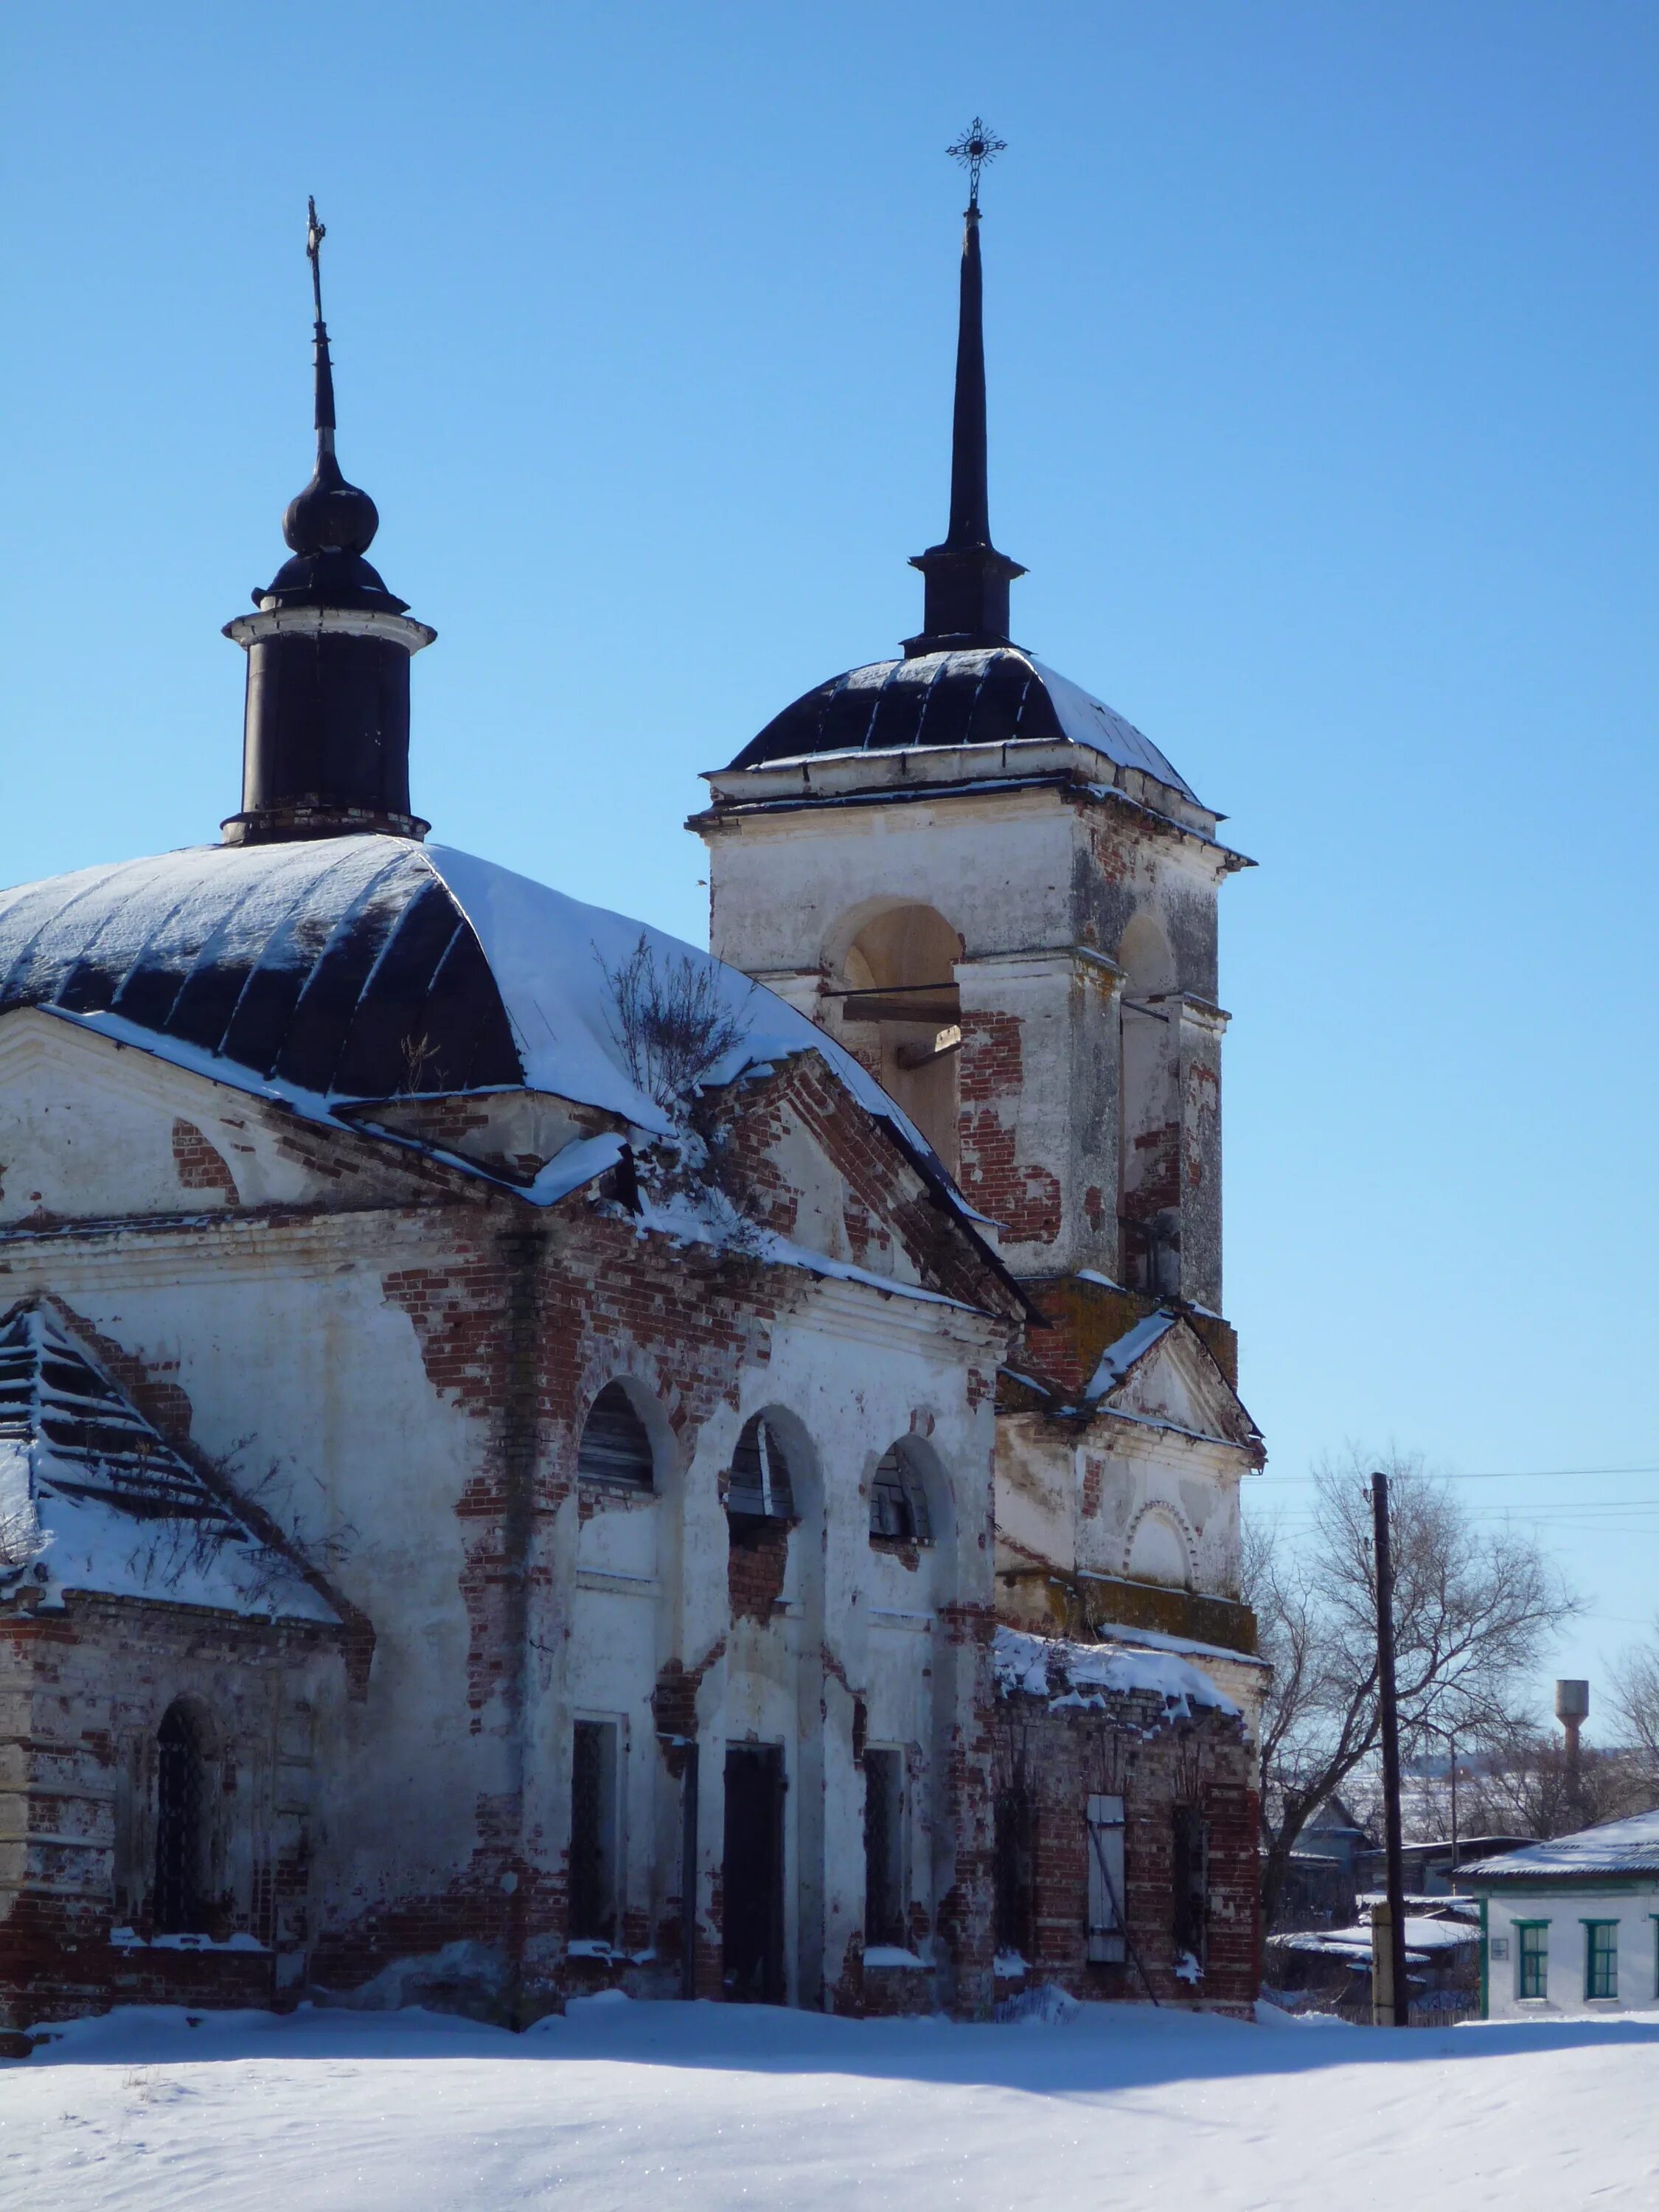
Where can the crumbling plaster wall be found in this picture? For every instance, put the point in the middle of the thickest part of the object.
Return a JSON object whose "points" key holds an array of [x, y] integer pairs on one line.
{"points": [[1081, 1500], [400, 1363], [1040, 885]]}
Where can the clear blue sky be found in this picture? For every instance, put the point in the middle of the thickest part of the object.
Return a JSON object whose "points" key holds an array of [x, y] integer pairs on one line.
{"points": [[1322, 362]]}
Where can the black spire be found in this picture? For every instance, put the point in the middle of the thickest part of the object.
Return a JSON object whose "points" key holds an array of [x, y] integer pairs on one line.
{"points": [[966, 602], [330, 515], [326, 752]]}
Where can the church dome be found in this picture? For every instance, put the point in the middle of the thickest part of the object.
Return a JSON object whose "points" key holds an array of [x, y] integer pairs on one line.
{"points": [[330, 974], [992, 695]]}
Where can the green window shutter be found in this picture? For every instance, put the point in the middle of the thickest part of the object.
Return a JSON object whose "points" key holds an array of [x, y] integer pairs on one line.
{"points": [[1532, 1958]]}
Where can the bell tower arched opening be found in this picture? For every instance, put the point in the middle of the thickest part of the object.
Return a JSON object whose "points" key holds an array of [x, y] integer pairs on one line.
{"points": [[901, 1010]]}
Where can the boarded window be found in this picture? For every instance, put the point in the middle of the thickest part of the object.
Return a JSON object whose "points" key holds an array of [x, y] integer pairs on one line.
{"points": [[180, 1906], [1016, 1869], [761, 1488], [884, 1848], [1190, 1882], [594, 1832], [616, 1449], [898, 1502], [1105, 1818]]}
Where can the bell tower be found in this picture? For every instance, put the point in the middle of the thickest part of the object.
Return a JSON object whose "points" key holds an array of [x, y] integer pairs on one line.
{"points": [[1002, 897]]}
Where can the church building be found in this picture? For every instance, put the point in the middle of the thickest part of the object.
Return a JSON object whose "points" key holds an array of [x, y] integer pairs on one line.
{"points": [[534, 1458]]}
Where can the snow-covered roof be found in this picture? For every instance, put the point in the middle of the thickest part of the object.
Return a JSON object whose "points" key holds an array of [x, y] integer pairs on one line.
{"points": [[328, 973], [93, 1498], [990, 695], [1085, 1675], [1617, 1847], [1117, 1360], [1422, 1936]]}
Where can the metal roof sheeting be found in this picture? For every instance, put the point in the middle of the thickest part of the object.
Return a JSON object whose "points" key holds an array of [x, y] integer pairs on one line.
{"points": [[994, 695], [1617, 1847]]}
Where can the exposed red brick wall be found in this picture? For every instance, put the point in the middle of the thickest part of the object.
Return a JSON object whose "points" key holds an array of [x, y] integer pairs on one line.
{"points": [[200, 1166], [1063, 1757], [93, 1681], [757, 1560]]}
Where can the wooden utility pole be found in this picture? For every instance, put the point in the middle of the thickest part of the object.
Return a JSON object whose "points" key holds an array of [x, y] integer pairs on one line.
{"points": [[1390, 1718]]}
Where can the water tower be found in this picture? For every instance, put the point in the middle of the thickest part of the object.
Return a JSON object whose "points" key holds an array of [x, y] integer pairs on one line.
{"points": [[1571, 1709]]}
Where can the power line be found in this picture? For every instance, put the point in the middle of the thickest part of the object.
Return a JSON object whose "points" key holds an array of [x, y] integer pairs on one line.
{"points": [[1500, 1475]]}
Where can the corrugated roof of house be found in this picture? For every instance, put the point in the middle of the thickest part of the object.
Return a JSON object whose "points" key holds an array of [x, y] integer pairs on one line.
{"points": [[1617, 1847]]}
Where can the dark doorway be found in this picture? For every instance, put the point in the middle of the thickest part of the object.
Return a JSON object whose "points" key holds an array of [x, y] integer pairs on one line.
{"points": [[752, 1952]]}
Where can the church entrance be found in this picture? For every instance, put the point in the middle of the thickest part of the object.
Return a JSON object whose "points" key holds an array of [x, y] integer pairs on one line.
{"points": [[752, 1954]]}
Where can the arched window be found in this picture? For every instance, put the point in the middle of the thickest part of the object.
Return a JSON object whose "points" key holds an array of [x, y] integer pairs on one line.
{"points": [[898, 1498], [180, 1904], [761, 1489], [616, 1448]]}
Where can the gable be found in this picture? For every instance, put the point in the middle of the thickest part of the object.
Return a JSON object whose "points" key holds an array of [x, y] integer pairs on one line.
{"points": [[836, 1183], [92, 1129], [1174, 1380]]}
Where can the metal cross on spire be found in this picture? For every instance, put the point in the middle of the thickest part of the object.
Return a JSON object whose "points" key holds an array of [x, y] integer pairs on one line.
{"points": [[977, 145], [315, 233]]}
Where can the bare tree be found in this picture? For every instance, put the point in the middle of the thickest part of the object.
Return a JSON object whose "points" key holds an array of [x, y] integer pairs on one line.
{"points": [[1635, 1687], [1521, 1783], [1472, 1612], [671, 1021]]}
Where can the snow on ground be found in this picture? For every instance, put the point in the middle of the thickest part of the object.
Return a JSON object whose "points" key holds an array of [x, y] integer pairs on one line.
{"points": [[702, 2108]]}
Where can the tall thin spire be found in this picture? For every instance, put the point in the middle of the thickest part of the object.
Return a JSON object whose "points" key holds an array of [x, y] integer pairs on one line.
{"points": [[330, 515], [325, 740], [966, 600]]}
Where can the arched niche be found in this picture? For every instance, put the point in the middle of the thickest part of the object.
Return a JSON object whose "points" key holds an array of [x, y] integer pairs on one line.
{"points": [[1160, 1550], [901, 1007]]}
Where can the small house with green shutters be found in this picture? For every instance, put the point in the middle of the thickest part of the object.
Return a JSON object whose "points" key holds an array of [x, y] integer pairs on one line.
{"points": [[1571, 1926]]}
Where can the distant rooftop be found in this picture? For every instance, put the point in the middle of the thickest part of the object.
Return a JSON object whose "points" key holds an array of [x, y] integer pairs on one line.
{"points": [[1617, 1847]]}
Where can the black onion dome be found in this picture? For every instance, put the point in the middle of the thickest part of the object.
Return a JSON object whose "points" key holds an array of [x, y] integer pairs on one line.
{"points": [[345, 968], [990, 697], [331, 515]]}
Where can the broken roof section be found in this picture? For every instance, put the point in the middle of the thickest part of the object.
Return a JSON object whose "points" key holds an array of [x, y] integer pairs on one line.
{"points": [[93, 1498], [331, 972]]}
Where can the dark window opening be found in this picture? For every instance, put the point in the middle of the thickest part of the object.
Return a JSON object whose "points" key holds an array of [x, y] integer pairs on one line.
{"points": [[1533, 1958], [1190, 1882], [594, 1832], [761, 1490], [884, 1849], [616, 1448], [1016, 1869], [898, 1501], [181, 1905], [751, 1940]]}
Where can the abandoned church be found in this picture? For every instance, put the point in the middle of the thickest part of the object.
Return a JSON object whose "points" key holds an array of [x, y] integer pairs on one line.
{"points": [[534, 1458]]}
